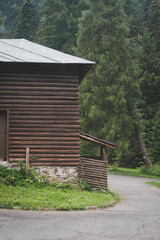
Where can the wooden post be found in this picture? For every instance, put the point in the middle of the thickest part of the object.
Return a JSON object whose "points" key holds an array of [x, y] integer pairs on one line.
{"points": [[106, 160], [101, 152], [106, 155], [27, 160]]}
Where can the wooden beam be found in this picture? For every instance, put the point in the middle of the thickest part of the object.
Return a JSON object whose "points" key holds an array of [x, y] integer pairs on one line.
{"points": [[101, 152], [27, 160], [96, 140]]}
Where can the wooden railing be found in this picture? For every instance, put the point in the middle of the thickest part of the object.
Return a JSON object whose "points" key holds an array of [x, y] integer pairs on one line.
{"points": [[94, 170]]}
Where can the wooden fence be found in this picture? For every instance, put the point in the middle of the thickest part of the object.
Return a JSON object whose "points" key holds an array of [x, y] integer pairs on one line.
{"points": [[93, 172]]}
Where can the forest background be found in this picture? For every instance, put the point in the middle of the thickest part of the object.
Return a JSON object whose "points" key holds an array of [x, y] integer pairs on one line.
{"points": [[120, 96]]}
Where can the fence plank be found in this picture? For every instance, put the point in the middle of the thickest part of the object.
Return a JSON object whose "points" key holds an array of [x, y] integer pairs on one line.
{"points": [[93, 171]]}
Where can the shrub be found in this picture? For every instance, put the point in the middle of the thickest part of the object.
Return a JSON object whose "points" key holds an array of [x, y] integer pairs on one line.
{"points": [[155, 170], [19, 177], [84, 186]]}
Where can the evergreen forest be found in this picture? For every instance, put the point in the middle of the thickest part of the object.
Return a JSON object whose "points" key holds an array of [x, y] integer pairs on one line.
{"points": [[120, 96]]}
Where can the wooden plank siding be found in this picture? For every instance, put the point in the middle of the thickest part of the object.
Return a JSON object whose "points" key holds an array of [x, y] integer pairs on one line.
{"points": [[43, 115]]}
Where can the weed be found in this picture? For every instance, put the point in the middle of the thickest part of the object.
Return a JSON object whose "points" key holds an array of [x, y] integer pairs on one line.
{"points": [[84, 186], [7, 204]]}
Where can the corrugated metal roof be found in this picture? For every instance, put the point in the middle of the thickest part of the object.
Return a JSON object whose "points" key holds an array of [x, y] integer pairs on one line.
{"points": [[22, 50]]}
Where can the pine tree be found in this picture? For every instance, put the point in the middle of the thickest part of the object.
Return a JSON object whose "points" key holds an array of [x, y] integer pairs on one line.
{"points": [[54, 32], [60, 24], [108, 99], [27, 21], [155, 139], [2, 21], [150, 62]]}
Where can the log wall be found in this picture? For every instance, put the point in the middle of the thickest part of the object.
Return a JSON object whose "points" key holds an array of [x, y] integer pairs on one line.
{"points": [[93, 172], [43, 115]]}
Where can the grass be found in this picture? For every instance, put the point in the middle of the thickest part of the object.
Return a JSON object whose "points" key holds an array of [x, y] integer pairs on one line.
{"points": [[31, 191], [154, 184], [131, 172], [52, 198]]}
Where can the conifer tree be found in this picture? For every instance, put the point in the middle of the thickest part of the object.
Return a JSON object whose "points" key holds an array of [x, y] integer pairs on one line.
{"points": [[150, 85], [2, 21], [27, 21], [60, 24], [109, 94], [54, 32]]}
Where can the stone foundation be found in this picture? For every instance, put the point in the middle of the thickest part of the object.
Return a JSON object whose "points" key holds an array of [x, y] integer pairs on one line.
{"points": [[60, 174], [53, 173], [5, 164]]}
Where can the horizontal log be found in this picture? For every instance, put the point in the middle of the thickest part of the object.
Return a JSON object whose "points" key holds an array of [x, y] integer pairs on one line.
{"points": [[60, 144], [70, 112], [52, 144], [33, 101], [45, 151], [34, 105], [40, 126], [36, 88], [36, 134], [44, 130], [22, 92], [46, 159], [71, 118], [53, 155], [38, 83], [43, 77], [20, 97], [44, 121], [56, 139]]}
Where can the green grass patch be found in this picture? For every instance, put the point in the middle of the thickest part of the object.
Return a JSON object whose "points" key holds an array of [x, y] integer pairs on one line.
{"points": [[154, 184], [131, 172], [52, 198], [30, 191]]}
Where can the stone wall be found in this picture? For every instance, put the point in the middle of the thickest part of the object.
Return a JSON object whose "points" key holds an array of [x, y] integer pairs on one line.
{"points": [[60, 174], [53, 173]]}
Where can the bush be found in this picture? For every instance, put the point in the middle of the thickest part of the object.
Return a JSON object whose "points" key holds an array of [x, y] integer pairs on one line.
{"points": [[19, 177], [155, 170]]}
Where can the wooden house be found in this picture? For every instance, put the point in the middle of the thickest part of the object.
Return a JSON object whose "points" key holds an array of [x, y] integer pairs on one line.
{"points": [[39, 103]]}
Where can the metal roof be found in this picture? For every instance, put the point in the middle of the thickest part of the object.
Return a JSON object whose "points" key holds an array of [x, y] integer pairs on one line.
{"points": [[24, 51]]}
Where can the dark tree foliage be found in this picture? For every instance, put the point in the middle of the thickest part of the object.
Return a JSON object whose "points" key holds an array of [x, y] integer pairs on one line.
{"points": [[60, 24], [155, 138], [6, 7], [10, 9], [27, 21], [119, 98], [150, 85], [109, 95], [2, 21]]}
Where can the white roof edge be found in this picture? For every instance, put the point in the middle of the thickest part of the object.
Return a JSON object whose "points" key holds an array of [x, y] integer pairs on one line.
{"points": [[22, 50]]}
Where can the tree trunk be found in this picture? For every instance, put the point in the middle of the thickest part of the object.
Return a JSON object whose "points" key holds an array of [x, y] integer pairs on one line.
{"points": [[142, 147]]}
